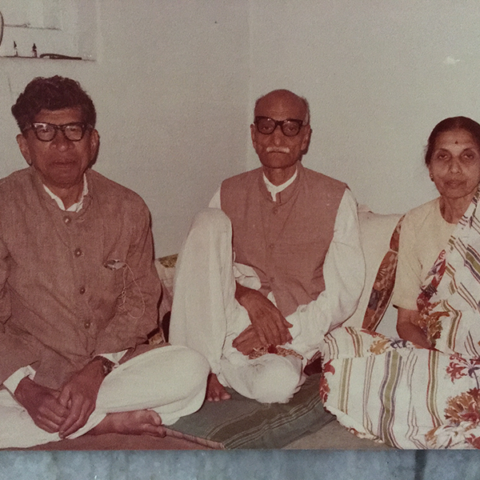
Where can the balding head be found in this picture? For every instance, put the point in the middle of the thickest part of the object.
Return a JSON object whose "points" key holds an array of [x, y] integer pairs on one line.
{"points": [[283, 98]]}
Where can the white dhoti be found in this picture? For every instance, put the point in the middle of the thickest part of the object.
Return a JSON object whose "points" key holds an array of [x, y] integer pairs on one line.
{"points": [[170, 380], [207, 318]]}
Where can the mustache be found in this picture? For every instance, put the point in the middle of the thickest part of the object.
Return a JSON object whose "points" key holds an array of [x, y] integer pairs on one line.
{"points": [[278, 149]]}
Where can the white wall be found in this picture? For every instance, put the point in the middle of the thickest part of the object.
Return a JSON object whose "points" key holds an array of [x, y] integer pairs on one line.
{"points": [[175, 81], [171, 89], [379, 74]]}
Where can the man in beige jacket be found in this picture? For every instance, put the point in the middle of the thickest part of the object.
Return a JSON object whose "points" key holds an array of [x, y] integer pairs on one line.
{"points": [[78, 289], [272, 266]]}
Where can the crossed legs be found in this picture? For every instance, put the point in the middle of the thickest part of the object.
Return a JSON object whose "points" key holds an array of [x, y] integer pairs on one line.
{"points": [[207, 318], [150, 390]]}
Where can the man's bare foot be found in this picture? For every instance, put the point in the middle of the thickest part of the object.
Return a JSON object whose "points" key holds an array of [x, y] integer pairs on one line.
{"points": [[138, 422], [215, 390]]}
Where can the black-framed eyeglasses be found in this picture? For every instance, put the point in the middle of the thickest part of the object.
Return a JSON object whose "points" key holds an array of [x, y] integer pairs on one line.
{"points": [[46, 132], [290, 127]]}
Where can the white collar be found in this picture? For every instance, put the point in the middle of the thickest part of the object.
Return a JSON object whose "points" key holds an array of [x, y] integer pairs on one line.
{"points": [[76, 207], [274, 189]]}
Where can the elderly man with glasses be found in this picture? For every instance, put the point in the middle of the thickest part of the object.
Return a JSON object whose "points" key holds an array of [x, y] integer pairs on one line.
{"points": [[79, 291], [272, 266]]}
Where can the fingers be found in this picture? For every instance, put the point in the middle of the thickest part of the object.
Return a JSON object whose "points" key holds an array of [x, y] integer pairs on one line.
{"points": [[41, 404], [247, 335], [285, 335], [47, 425], [80, 411], [283, 326], [64, 397], [52, 410], [244, 347], [287, 323], [268, 333], [270, 325], [50, 416], [247, 341], [79, 395], [80, 408], [277, 329]]}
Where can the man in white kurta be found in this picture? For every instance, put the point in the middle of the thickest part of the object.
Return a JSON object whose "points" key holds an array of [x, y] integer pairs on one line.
{"points": [[271, 266]]}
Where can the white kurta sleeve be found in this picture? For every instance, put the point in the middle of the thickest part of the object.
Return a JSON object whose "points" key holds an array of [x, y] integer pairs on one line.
{"points": [[11, 383], [344, 274], [215, 202]]}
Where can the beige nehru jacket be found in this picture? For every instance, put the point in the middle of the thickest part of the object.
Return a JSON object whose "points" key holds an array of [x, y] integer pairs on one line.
{"points": [[72, 285], [286, 240]]}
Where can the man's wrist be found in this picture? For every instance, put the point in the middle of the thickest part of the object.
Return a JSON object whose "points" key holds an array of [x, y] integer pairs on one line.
{"points": [[107, 365], [19, 393], [242, 292], [239, 291]]}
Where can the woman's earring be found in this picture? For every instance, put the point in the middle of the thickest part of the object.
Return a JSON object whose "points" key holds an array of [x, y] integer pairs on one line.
{"points": [[431, 177]]}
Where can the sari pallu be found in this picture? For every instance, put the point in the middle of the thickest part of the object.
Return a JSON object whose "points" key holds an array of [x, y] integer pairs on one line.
{"points": [[449, 302], [390, 391]]}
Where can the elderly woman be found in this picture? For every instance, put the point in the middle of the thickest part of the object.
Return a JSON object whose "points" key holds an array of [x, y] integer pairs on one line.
{"points": [[437, 289], [423, 390]]}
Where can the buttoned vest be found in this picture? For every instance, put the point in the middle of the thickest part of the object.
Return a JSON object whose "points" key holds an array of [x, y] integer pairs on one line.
{"points": [[286, 240]]}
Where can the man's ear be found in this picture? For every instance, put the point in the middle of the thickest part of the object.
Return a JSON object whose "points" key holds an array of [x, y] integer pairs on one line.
{"points": [[253, 134], [94, 145], [306, 138], [23, 144]]}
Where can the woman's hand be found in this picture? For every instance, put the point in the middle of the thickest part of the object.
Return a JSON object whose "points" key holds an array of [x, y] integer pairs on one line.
{"points": [[408, 329]]}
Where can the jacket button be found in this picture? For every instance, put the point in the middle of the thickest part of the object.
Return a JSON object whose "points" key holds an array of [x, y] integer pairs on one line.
{"points": [[67, 220], [275, 210], [78, 252], [82, 290], [87, 324]]}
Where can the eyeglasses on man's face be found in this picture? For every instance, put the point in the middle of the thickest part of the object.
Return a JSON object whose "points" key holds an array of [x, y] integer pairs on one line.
{"points": [[46, 132], [266, 125]]}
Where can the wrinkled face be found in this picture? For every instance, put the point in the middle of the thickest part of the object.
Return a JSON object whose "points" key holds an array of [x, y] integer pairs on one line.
{"points": [[60, 162], [455, 165], [277, 150]]}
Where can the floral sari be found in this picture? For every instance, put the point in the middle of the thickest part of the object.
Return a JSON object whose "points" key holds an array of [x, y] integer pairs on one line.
{"points": [[390, 391], [449, 303]]}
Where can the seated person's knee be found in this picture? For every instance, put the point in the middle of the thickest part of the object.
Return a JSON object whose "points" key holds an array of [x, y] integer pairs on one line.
{"points": [[277, 380], [211, 218], [194, 368]]}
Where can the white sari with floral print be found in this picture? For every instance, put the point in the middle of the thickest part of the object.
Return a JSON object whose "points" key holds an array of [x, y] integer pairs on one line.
{"points": [[390, 391]]}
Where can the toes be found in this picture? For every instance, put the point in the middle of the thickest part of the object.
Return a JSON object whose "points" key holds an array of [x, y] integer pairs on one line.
{"points": [[153, 430], [226, 395], [218, 395], [153, 417]]}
